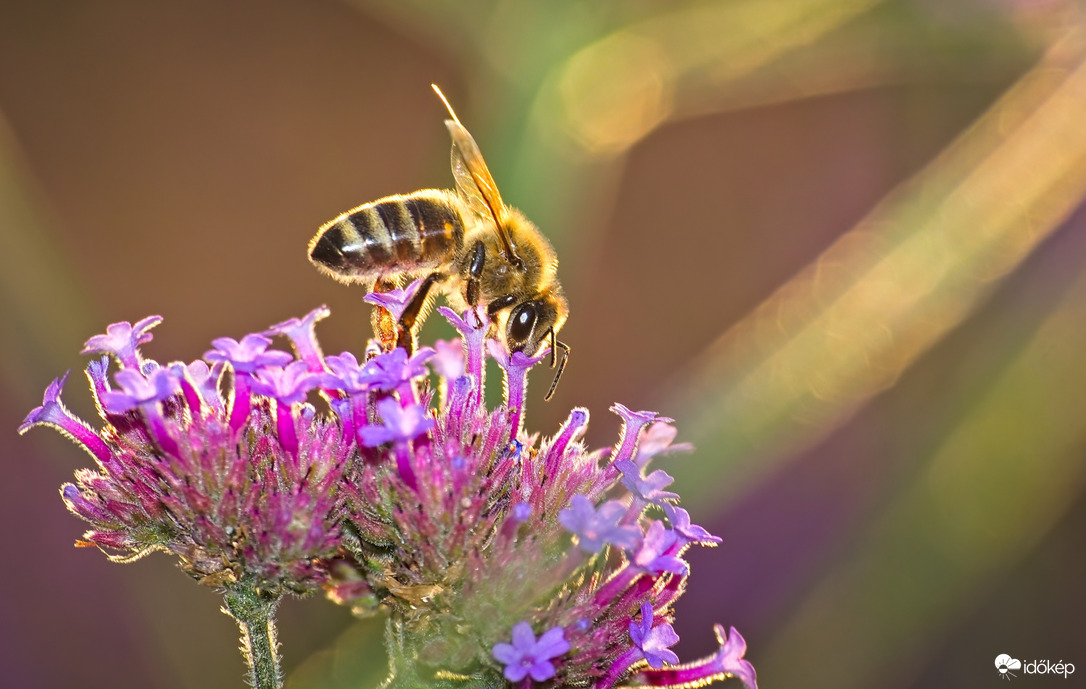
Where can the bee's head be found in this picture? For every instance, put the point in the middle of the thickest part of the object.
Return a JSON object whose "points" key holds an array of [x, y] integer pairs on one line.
{"points": [[533, 323]]}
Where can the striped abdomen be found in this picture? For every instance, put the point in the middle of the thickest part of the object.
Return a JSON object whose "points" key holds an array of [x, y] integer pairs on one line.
{"points": [[397, 234]]}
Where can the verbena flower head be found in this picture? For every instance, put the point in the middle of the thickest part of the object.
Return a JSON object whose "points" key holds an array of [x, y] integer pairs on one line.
{"points": [[509, 559], [501, 558], [232, 472]]}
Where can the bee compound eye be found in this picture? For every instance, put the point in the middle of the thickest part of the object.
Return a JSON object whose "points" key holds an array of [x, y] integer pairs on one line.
{"points": [[522, 322]]}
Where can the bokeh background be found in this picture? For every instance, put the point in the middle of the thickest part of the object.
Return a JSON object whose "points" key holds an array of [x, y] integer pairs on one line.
{"points": [[842, 242]]}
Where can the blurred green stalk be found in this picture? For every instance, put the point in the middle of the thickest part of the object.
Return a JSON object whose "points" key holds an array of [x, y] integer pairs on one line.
{"points": [[44, 311], [995, 484], [916, 267]]}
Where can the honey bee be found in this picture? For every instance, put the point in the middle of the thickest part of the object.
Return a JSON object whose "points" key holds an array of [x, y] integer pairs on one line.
{"points": [[467, 244]]}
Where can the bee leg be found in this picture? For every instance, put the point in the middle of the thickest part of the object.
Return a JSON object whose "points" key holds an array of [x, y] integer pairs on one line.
{"points": [[405, 335], [500, 303], [384, 328], [475, 272], [554, 345], [561, 367]]}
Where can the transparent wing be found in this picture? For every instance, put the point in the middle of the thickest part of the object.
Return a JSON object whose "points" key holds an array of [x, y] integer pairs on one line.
{"points": [[472, 176], [477, 186], [474, 181]]}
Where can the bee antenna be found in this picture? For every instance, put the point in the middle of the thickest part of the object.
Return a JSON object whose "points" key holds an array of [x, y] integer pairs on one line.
{"points": [[446, 102], [561, 367]]}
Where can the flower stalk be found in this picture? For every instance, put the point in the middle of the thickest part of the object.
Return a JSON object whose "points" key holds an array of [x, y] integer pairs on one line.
{"points": [[255, 614]]}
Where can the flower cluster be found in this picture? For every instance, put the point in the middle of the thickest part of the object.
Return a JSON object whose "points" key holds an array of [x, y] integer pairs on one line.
{"points": [[236, 475], [499, 557]]}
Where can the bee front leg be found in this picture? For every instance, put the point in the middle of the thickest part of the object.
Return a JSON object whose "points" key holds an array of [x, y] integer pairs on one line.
{"points": [[475, 272]]}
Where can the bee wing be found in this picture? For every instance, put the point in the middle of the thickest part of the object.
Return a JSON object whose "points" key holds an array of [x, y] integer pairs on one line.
{"points": [[472, 176], [475, 183]]}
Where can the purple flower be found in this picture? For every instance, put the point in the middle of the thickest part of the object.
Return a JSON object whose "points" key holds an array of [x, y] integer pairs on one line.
{"points": [[394, 301], [632, 423], [657, 551], [691, 533], [727, 662], [528, 656], [50, 405], [654, 642], [468, 323], [204, 381], [595, 528], [516, 367], [472, 327], [288, 385], [138, 389], [122, 340], [302, 334], [648, 488], [636, 418], [449, 359], [53, 413], [392, 369], [730, 656], [400, 423], [344, 364], [517, 360], [248, 355], [656, 440], [345, 374], [98, 375]]}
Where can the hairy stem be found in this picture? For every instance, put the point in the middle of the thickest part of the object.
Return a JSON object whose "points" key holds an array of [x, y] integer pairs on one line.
{"points": [[255, 615], [400, 670]]}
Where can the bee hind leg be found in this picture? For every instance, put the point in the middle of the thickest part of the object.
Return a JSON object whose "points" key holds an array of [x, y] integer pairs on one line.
{"points": [[405, 335], [384, 327]]}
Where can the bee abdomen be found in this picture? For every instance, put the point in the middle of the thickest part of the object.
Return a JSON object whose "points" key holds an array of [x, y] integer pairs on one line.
{"points": [[399, 234]]}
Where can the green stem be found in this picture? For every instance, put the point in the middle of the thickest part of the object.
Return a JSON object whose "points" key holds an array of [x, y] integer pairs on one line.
{"points": [[404, 667], [255, 614], [401, 673]]}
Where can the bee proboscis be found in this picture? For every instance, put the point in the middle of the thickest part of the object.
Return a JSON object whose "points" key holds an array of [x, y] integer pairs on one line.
{"points": [[467, 244]]}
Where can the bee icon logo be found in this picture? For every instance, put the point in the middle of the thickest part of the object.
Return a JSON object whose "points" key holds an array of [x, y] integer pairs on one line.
{"points": [[1004, 663]]}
